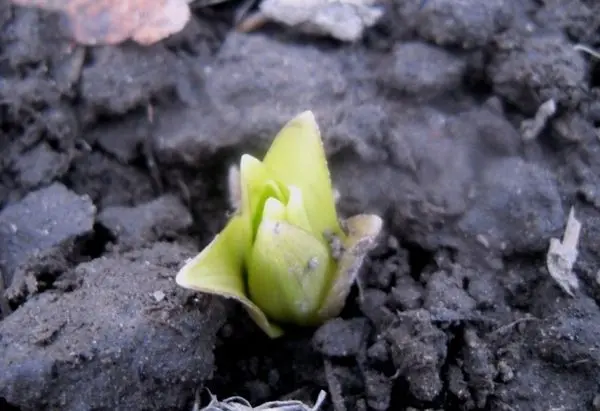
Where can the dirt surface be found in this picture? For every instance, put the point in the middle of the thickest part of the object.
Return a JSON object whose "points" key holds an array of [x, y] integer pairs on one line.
{"points": [[112, 170]]}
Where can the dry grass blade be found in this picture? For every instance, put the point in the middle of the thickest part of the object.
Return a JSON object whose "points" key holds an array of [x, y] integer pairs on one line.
{"points": [[588, 50], [93, 22]]}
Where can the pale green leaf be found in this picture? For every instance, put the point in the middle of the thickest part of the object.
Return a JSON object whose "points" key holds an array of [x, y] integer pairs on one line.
{"points": [[363, 230], [274, 210], [253, 177], [297, 158], [257, 185], [295, 210], [287, 272], [218, 269]]}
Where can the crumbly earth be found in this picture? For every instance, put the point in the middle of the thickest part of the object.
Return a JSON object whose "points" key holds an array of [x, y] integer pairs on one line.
{"points": [[113, 163]]}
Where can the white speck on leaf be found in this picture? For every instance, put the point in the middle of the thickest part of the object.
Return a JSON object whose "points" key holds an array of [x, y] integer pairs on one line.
{"points": [[312, 264], [335, 245]]}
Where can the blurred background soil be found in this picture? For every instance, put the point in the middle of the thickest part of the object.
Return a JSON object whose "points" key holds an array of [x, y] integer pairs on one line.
{"points": [[113, 167]]}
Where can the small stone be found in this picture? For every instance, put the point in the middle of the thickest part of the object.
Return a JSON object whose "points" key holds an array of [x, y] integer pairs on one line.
{"points": [[340, 338], [541, 68], [596, 402], [464, 23], [407, 294], [423, 71], [505, 371], [418, 350], [267, 82], [44, 224], [158, 296], [378, 352], [518, 207], [163, 217], [40, 165], [142, 71], [122, 139], [378, 389]]}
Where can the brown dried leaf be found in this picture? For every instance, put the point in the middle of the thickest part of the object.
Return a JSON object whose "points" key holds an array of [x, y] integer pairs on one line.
{"points": [[112, 21]]}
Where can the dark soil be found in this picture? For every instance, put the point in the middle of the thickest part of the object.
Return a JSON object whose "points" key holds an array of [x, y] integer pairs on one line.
{"points": [[112, 170]]}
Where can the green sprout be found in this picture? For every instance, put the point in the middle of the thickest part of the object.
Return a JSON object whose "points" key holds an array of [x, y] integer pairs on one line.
{"points": [[284, 254]]}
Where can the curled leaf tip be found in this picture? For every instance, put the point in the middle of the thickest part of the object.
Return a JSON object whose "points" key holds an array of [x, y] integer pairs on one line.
{"points": [[362, 234], [308, 118]]}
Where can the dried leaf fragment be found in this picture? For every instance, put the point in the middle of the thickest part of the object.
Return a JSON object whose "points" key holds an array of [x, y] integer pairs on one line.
{"points": [[93, 22], [344, 20], [562, 255]]}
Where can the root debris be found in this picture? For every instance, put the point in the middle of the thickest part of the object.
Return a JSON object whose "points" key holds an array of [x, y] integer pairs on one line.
{"points": [[241, 404]]}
